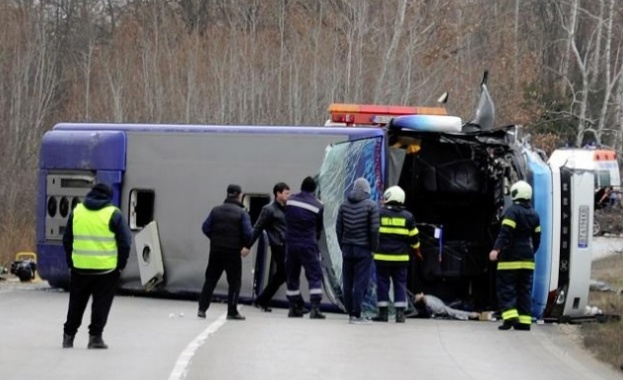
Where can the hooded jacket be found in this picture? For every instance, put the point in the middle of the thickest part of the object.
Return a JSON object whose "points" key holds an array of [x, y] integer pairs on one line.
{"points": [[358, 218], [96, 200]]}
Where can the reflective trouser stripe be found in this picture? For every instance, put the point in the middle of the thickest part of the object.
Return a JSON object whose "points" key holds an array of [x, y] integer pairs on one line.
{"points": [[509, 314], [525, 319]]}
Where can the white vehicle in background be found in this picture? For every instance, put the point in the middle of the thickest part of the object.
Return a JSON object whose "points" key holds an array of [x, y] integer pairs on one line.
{"points": [[603, 162], [607, 187]]}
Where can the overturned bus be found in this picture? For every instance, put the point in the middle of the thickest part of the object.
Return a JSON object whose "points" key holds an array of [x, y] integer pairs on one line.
{"points": [[456, 177]]}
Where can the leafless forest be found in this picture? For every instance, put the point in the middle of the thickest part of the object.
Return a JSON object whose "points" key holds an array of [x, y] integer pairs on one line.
{"points": [[555, 67]]}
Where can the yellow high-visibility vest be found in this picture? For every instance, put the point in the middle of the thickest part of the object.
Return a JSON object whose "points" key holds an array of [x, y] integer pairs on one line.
{"points": [[94, 245]]}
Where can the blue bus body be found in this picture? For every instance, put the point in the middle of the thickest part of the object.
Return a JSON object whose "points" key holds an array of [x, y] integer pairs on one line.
{"points": [[74, 156]]}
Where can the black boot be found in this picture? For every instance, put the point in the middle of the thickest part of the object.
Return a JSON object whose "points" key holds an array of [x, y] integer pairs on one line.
{"points": [[507, 324], [301, 307], [236, 317], [382, 317], [68, 341], [522, 326], [262, 306], [315, 311], [400, 315], [96, 341], [295, 312]]}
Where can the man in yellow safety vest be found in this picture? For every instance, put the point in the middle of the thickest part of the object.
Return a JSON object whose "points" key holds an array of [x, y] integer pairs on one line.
{"points": [[97, 244]]}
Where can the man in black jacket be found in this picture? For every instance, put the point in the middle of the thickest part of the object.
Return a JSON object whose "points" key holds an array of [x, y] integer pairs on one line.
{"points": [[97, 244], [272, 220], [357, 229], [228, 227]]}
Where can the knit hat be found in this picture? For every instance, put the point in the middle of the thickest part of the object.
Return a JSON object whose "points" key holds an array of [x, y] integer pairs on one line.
{"points": [[102, 189], [362, 184], [233, 190], [308, 185]]}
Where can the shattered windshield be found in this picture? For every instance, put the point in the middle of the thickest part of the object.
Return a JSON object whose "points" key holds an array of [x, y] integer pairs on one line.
{"points": [[342, 165]]}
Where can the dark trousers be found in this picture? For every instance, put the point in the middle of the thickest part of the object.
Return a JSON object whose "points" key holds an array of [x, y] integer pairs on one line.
{"points": [[356, 266], [277, 278], [231, 263], [515, 293], [306, 257], [82, 286], [387, 273]]}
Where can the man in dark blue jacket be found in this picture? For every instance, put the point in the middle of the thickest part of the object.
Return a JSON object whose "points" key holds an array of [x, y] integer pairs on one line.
{"points": [[272, 219], [518, 240], [304, 220], [398, 237], [97, 244], [357, 229], [228, 227]]}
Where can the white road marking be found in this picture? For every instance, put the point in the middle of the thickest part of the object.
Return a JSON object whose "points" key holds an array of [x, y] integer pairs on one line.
{"points": [[183, 361]]}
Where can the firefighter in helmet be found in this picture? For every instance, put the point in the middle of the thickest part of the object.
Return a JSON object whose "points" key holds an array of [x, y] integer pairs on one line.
{"points": [[398, 237], [514, 248]]}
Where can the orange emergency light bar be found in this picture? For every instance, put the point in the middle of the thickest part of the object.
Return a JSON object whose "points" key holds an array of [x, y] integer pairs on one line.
{"points": [[369, 114], [604, 155]]}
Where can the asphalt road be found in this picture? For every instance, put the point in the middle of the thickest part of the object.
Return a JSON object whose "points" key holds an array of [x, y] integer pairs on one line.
{"points": [[163, 339]]}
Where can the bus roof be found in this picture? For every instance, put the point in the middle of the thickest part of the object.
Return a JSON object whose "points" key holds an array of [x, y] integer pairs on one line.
{"points": [[196, 128]]}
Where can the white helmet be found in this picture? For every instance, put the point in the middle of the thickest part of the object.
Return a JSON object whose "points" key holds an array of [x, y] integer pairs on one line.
{"points": [[394, 194], [521, 190]]}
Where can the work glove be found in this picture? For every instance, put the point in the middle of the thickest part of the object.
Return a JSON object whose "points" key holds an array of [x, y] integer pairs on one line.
{"points": [[418, 254]]}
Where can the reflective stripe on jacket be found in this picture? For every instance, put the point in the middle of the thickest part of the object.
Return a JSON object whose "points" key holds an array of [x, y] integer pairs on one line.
{"points": [[94, 244], [511, 265], [304, 214], [519, 237], [398, 235]]}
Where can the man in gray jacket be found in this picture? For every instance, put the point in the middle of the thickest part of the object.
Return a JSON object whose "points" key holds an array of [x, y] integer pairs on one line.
{"points": [[357, 230]]}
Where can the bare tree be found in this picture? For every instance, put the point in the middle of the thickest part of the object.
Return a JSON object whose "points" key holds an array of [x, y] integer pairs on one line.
{"points": [[393, 45]]}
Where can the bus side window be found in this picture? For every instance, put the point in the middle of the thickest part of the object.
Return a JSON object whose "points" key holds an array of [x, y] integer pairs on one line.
{"points": [[254, 203], [141, 208], [602, 179]]}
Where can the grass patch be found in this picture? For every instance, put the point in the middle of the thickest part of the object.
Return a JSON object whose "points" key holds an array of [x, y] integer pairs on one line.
{"points": [[605, 340]]}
